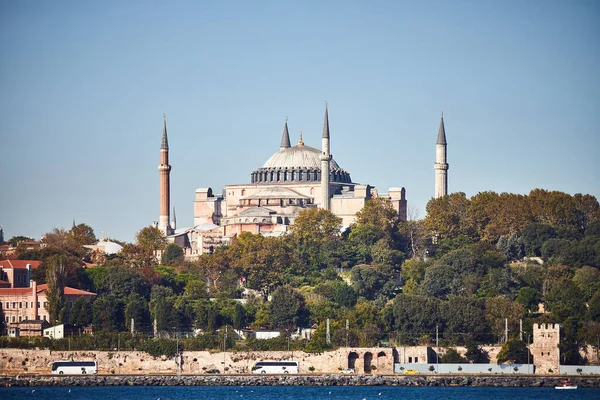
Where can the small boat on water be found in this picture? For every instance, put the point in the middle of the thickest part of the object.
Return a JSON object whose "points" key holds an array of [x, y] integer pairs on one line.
{"points": [[566, 384]]}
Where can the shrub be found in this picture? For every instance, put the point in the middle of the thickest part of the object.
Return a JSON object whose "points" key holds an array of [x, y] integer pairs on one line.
{"points": [[159, 347], [311, 368]]}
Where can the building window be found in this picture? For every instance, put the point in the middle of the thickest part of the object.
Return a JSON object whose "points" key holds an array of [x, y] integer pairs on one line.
{"points": [[26, 304], [38, 304], [20, 304], [7, 304], [14, 305], [416, 359], [14, 319], [44, 317], [20, 318], [409, 360], [45, 304], [32, 304]]}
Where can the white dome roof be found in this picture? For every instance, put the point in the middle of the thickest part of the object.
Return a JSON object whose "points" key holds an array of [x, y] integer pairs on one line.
{"points": [[298, 157]]}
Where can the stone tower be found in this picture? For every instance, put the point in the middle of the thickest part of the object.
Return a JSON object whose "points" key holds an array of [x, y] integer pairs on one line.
{"points": [[325, 162], [545, 351], [164, 171], [441, 164]]}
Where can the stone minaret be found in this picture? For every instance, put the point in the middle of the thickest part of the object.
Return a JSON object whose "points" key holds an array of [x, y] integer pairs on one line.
{"points": [[285, 138], [325, 163], [164, 170], [441, 165]]}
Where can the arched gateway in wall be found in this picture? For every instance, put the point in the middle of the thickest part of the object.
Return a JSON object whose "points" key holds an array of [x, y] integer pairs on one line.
{"points": [[370, 360]]}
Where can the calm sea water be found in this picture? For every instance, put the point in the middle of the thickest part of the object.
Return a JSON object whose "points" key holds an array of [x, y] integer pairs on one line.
{"points": [[293, 393]]}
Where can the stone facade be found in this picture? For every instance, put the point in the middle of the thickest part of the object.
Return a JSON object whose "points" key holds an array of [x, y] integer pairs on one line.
{"points": [[290, 181], [544, 349]]}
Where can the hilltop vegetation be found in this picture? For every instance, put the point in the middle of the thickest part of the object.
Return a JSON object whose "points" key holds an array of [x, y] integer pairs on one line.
{"points": [[466, 267]]}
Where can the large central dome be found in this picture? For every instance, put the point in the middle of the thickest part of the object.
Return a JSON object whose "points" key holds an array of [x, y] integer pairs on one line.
{"points": [[297, 157], [294, 164]]}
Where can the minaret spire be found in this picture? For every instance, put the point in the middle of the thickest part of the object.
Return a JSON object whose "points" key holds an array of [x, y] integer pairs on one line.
{"points": [[164, 172], [441, 165], [285, 138], [325, 162], [165, 141], [441, 139], [326, 123]]}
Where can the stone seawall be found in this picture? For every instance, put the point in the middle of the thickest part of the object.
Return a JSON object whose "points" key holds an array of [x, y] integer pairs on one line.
{"points": [[298, 380]]}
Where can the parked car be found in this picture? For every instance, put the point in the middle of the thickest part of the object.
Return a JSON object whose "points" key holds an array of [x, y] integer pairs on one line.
{"points": [[411, 372], [348, 371], [213, 371]]}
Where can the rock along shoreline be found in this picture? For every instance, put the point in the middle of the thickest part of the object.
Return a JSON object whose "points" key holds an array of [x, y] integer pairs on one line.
{"points": [[297, 380]]}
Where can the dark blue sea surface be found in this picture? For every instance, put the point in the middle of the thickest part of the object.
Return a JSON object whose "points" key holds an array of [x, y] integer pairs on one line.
{"points": [[292, 393]]}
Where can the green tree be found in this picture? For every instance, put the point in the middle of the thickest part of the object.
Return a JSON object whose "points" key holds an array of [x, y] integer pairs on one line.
{"points": [[311, 232], [447, 216], [476, 354], [288, 309], [588, 281], [81, 312], [55, 278], [594, 307], [151, 239], [172, 254], [196, 289], [500, 308], [514, 351], [413, 273], [162, 309], [377, 223], [412, 317], [108, 313], [464, 320], [83, 234], [565, 300], [239, 316], [529, 298], [451, 356], [206, 315], [369, 282], [136, 309], [534, 236]]}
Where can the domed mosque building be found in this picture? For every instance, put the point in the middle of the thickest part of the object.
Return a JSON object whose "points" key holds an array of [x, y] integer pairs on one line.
{"points": [[293, 179]]}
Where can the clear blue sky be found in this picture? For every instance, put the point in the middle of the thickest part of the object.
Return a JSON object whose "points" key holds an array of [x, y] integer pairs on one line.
{"points": [[83, 86]]}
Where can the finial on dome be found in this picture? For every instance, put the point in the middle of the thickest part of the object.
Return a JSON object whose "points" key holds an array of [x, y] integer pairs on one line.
{"points": [[300, 142]]}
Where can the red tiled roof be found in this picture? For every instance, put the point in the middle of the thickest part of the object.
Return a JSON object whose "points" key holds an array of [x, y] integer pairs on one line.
{"points": [[19, 263], [14, 291], [41, 288], [68, 290]]}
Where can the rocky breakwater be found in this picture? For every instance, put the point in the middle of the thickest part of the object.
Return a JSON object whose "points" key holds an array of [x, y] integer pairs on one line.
{"points": [[296, 380]]}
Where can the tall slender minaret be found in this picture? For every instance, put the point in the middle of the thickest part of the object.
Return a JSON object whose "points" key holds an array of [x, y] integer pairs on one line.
{"points": [[441, 166], [164, 170], [325, 162], [285, 138]]}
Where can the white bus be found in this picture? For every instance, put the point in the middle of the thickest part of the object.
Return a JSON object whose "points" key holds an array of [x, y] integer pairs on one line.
{"points": [[275, 367], [74, 367]]}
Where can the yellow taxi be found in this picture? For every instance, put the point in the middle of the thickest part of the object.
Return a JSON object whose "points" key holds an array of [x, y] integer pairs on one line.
{"points": [[411, 372]]}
